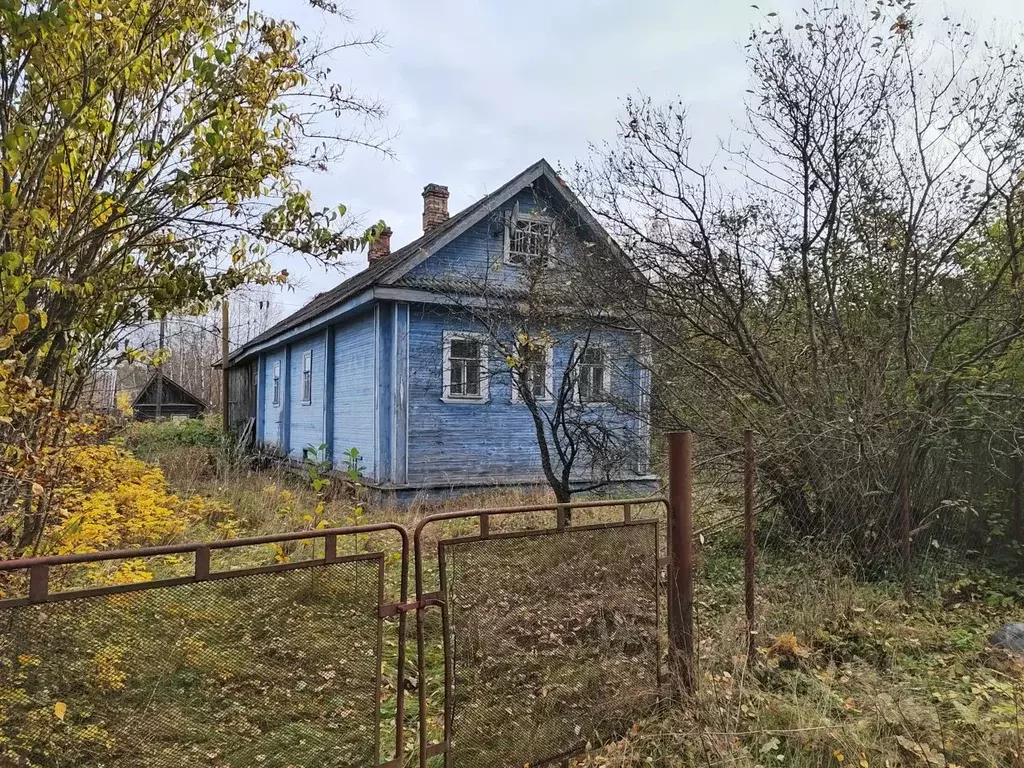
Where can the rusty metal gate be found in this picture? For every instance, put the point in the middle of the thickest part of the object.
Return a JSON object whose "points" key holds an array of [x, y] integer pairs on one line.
{"points": [[532, 645], [551, 635], [223, 665]]}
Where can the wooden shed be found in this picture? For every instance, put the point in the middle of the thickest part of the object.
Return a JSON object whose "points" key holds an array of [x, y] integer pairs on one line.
{"points": [[176, 401]]}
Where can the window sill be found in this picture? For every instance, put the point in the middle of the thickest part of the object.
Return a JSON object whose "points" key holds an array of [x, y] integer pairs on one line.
{"points": [[546, 401], [465, 400], [306, 402]]}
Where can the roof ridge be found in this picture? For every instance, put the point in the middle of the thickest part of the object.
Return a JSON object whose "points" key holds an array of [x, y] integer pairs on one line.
{"points": [[379, 270]]}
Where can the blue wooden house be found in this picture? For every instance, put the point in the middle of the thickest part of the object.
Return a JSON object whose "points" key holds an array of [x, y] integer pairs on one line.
{"points": [[389, 373]]}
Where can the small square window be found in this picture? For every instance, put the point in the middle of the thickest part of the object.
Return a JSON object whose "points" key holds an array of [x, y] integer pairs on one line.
{"points": [[529, 240], [593, 383], [276, 385], [307, 378]]}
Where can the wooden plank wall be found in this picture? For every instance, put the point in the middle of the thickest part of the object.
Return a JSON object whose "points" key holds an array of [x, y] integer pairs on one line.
{"points": [[242, 395]]}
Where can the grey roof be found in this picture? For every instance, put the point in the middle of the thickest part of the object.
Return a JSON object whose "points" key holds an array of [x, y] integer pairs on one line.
{"points": [[390, 269], [372, 275]]}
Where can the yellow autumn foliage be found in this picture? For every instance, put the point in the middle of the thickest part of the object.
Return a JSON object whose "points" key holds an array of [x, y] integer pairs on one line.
{"points": [[108, 499]]}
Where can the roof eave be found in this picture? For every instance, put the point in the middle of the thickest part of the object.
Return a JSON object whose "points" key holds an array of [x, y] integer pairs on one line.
{"points": [[347, 306]]}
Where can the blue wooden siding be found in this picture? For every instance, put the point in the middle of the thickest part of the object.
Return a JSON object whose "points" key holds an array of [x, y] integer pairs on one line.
{"points": [[400, 377], [286, 402], [261, 388], [272, 414], [479, 253], [385, 334], [355, 388], [494, 440], [307, 418], [328, 399]]}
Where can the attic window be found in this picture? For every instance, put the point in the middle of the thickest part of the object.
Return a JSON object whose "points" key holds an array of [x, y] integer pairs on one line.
{"points": [[528, 240]]}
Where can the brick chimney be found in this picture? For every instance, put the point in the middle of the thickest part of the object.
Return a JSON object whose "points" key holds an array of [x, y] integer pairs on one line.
{"points": [[435, 206], [381, 247]]}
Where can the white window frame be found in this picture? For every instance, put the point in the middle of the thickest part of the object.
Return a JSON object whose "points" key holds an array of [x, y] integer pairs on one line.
{"points": [[511, 219], [485, 378], [275, 385], [606, 388], [549, 353], [307, 377]]}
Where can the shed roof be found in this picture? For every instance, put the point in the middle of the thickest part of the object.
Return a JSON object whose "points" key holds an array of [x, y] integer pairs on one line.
{"points": [[169, 384]]}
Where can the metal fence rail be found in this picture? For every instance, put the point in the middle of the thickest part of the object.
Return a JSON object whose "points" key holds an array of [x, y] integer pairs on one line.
{"points": [[272, 666]]}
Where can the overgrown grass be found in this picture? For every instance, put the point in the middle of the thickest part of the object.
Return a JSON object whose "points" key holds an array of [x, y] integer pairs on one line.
{"points": [[152, 440], [847, 673], [273, 670]]}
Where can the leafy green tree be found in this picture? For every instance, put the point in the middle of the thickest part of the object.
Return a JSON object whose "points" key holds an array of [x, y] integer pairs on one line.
{"points": [[150, 161]]}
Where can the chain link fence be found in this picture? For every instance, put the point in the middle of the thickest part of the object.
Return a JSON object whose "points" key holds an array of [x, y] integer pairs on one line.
{"points": [[552, 635], [554, 641], [276, 666], [540, 643]]}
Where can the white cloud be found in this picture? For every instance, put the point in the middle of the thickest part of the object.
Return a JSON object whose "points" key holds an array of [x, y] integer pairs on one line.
{"points": [[480, 90]]}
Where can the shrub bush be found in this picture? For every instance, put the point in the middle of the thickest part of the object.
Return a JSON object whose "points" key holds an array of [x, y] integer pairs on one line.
{"points": [[148, 440], [108, 499]]}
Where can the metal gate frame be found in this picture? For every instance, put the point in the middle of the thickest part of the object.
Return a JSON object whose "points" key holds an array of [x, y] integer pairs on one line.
{"points": [[426, 600], [39, 593], [39, 590]]}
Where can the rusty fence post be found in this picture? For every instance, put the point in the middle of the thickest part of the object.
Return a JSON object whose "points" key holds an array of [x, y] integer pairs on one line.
{"points": [[749, 552], [905, 524], [38, 583], [680, 554]]}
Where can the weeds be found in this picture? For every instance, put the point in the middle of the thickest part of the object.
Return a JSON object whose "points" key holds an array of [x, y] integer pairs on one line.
{"points": [[847, 673], [151, 440]]}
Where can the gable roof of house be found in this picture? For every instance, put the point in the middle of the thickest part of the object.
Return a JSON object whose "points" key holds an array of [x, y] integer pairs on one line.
{"points": [[390, 269]]}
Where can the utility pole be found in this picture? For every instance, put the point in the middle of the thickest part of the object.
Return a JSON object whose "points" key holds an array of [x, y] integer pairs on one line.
{"points": [[225, 348], [159, 368]]}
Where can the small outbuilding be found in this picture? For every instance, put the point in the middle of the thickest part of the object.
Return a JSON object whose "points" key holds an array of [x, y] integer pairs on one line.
{"points": [[175, 401]]}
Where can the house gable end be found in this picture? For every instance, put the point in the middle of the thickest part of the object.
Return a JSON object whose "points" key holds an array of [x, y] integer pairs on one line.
{"points": [[479, 240]]}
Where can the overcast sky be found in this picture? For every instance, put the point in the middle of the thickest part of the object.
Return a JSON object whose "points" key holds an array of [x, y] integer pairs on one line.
{"points": [[480, 90]]}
